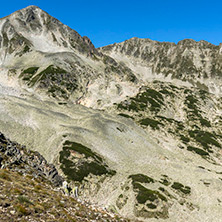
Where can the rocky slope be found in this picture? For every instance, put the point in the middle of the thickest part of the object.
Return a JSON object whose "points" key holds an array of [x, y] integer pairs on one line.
{"points": [[17, 158], [153, 149], [40, 53], [193, 63], [30, 190]]}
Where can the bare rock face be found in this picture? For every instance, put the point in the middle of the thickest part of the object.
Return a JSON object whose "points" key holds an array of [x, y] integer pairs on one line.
{"points": [[17, 158], [198, 63]]}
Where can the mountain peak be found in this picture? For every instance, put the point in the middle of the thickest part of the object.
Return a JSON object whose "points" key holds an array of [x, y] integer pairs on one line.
{"points": [[29, 8], [32, 7], [43, 32]]}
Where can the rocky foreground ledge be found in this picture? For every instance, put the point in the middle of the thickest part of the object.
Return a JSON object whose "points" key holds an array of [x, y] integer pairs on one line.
{"points": [[30, 190]]}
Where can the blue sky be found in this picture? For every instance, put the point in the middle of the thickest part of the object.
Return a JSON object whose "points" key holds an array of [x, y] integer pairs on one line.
{"points": [[106, 21]]}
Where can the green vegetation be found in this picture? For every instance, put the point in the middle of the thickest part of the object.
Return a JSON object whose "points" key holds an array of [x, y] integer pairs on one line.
{"points": [[31, 70], [125, 115], [51, 69], [144, 194], [27, 74], [170, 120], [5, 39], [203, 94], [205, 139], [165, 180], [77, 171], [37, 198], [180, 187], [194, 113], [198, 151], [184, 139], [26, 49], [191, 103], [21, 210], [150, 99], [141, 178], [151, 206], [23, 199], [154, 124], [57, 80], [167, 92], [204, 122], [4, 175], [81, 149]]}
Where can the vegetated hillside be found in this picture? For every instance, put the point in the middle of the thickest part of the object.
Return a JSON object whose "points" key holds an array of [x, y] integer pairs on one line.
{"points": [[29, 190], [153, 150], [189, 118]]}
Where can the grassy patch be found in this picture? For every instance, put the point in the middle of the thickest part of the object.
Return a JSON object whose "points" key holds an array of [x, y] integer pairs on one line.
{"points": [[31, 70], [184, 139], [141, 178], [165, 181], [144, 194], [170, 120], [204, 122], [26, 49], [125, 115], [180, 187], [198, 151], [151, 206], [21, 210], [23, 199], [27, 74], [83, 167], [5, 176], [205, 139], [154, 124], [150, 99]]}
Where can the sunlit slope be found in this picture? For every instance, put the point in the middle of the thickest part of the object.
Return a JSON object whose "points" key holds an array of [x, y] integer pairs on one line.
{"points": [[125, 148]]}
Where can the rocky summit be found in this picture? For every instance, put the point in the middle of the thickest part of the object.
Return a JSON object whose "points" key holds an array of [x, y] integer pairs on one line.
{"points": [[135, 125]]}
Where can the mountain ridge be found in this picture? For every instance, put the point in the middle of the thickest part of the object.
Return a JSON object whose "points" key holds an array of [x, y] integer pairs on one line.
{"points": [[194, 63]]}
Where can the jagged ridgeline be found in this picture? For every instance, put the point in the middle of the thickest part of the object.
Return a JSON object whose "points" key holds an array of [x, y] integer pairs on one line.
{"points": [[145, 140], [188, 60]]}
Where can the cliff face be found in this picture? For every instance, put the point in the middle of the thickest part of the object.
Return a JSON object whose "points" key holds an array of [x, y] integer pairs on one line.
{"points": [[198, 63]]}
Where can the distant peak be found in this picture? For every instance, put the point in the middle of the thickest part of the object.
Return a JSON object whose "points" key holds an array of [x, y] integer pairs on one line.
{"points": [[186, 41], [29, 8], [32, 7]]}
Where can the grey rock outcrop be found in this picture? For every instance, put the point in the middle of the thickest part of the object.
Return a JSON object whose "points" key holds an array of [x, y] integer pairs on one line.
{"points": [[16, 157], [187, 61]]}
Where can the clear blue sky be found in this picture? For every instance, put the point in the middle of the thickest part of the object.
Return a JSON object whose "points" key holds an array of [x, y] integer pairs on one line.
{"points": [[109, 21]]}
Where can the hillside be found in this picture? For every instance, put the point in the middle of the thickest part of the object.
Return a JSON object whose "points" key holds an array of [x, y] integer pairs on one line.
{"points": [[30, 190], [137, 124]]}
